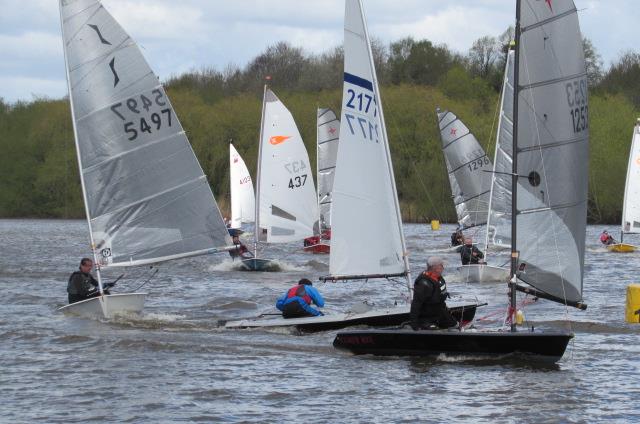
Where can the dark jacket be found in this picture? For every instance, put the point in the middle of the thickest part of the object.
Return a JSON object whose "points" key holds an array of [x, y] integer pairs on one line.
{"points": [[456, 239], [428, 306], [81, 286], [467, 257]]}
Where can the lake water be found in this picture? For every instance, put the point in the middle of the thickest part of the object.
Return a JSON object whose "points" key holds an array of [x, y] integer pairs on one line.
{"points": [[174, 363]]}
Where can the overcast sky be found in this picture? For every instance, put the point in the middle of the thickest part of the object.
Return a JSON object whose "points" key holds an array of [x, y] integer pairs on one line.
{"points": [[177, 36]]}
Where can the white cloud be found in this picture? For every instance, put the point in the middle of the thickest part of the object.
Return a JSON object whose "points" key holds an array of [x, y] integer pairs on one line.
{"points": [[25, 88]]}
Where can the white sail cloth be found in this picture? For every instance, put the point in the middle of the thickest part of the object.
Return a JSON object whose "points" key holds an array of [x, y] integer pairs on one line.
{"points": [[288, 207], [366, 227], [328, 137], [469, 170], [552, 150], [146, 195], [242, 195], [631, 205]]}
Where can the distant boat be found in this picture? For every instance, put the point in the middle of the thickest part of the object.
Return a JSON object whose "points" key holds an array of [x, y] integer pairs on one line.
{"points": [[146, 197], [549, 186], [243, 202], [631, 203], [286, 206], [469, 171], [364, 198], [328, 134]]}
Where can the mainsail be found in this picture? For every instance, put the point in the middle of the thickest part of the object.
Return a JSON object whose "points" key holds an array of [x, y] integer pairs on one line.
{"points": [[242, 195], [467, 165], [287, 203], [146, 196], [631, 205], [552, 149], [328, 136], [367, 236], [499, 217]]}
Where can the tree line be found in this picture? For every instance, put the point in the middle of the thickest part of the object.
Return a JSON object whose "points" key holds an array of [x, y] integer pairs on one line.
{"points": [[39, 172]]}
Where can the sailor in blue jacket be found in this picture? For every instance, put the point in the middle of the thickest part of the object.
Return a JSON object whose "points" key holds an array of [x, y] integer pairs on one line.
{"points": [[296, 302]]}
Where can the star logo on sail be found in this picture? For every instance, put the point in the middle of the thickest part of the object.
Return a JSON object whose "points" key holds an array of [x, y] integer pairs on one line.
{"points": [[277, 139], [549, 4], [453, 131], [332, 130]]}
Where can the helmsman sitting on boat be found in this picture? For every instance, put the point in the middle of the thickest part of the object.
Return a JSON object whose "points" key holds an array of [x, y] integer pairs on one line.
{"points": [[81, 283], [470, 254], [296, 302], [428, 307], [241, 250], [606, 238]]}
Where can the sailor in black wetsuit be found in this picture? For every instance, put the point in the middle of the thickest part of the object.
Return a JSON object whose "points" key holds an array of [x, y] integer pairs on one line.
{"points": [[81, 283], [470, 254], [428, 307]]}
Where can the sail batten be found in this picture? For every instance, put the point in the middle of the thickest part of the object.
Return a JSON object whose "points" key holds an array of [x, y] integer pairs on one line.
{"points": [[552, 151], [146, 196]]}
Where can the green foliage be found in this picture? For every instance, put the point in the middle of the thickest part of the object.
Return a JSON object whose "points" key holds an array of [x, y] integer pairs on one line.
{"points": [[39, 172]]}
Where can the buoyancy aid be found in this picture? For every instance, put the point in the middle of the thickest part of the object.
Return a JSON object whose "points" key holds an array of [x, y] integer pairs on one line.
{"points": [[440, 284], [300, 292], [604, 237]]}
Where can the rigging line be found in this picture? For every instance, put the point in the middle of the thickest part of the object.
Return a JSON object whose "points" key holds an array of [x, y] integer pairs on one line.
{"points": [[546, 183]]}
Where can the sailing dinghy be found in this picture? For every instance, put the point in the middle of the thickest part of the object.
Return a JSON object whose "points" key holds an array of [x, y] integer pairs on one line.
{"points": [[243, 202], [466, 164], [145, 195], [328, 134], [631, 203], [286, 207], [364, 196], [549, 186]]}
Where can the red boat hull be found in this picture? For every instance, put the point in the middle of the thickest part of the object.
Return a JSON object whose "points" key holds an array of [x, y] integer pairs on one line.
{"points": [[318, 248]]}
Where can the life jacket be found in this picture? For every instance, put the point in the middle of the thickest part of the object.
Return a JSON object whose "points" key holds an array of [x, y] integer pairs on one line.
{"points": [[300, 292], [440, 284], [604, 238]]}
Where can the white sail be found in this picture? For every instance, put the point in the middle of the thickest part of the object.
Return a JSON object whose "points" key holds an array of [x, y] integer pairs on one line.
{"points": [[366, 227], [242, 195], [499, 217], [288, 207], [552, 149], [146, 197], [328, 136], [631, 205], [468, 167]]}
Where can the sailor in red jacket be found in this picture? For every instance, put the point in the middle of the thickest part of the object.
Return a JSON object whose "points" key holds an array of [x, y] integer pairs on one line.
{"points": [[296, 302]]}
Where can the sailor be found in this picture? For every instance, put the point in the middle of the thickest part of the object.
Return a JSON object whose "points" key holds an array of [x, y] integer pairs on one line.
{"points": [[606, 238], [428, 307], [296, 302], [457, 238], [240, 250], [81, 283], [470, 254]]}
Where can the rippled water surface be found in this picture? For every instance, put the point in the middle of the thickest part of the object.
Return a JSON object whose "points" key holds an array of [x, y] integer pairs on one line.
{"points": [[174, 363]]}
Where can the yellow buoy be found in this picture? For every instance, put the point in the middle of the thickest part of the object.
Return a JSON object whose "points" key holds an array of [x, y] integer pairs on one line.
{"points": [[632, 313], [435, 225], [519, 317]]}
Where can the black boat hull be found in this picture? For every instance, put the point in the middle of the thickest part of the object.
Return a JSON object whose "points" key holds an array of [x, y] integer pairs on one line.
{"points": [[467, 313], [548, 347]]}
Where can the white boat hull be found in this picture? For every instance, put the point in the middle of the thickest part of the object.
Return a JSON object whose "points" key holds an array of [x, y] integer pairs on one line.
{"points": [[482, 273], [106, 306]]}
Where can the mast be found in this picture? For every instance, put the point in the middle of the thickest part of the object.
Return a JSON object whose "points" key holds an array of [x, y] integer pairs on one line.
{"points": [[75, 138], [257, 205], [405, 256], [318, 170], [514, 176], [495, 152]]}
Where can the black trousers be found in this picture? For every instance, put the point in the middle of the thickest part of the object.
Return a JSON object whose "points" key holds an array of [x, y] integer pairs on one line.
{"points": [[294, 310]]}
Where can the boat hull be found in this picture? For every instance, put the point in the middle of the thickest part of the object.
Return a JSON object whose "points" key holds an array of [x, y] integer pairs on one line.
{"points": [[373, 318], [548, 347], [621, 248], [318, 248], [482, 273], [256, 264], [106, 306]]}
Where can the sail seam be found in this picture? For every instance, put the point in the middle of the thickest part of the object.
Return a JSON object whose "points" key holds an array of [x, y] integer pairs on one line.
{"points": [[326, 169], [80, 27], [552, 81], [551, 145], [551, 208], [324, 112], [547, 21], [108, 105], [328, 122], [471, 198], [327, 141], [467, 163]]}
